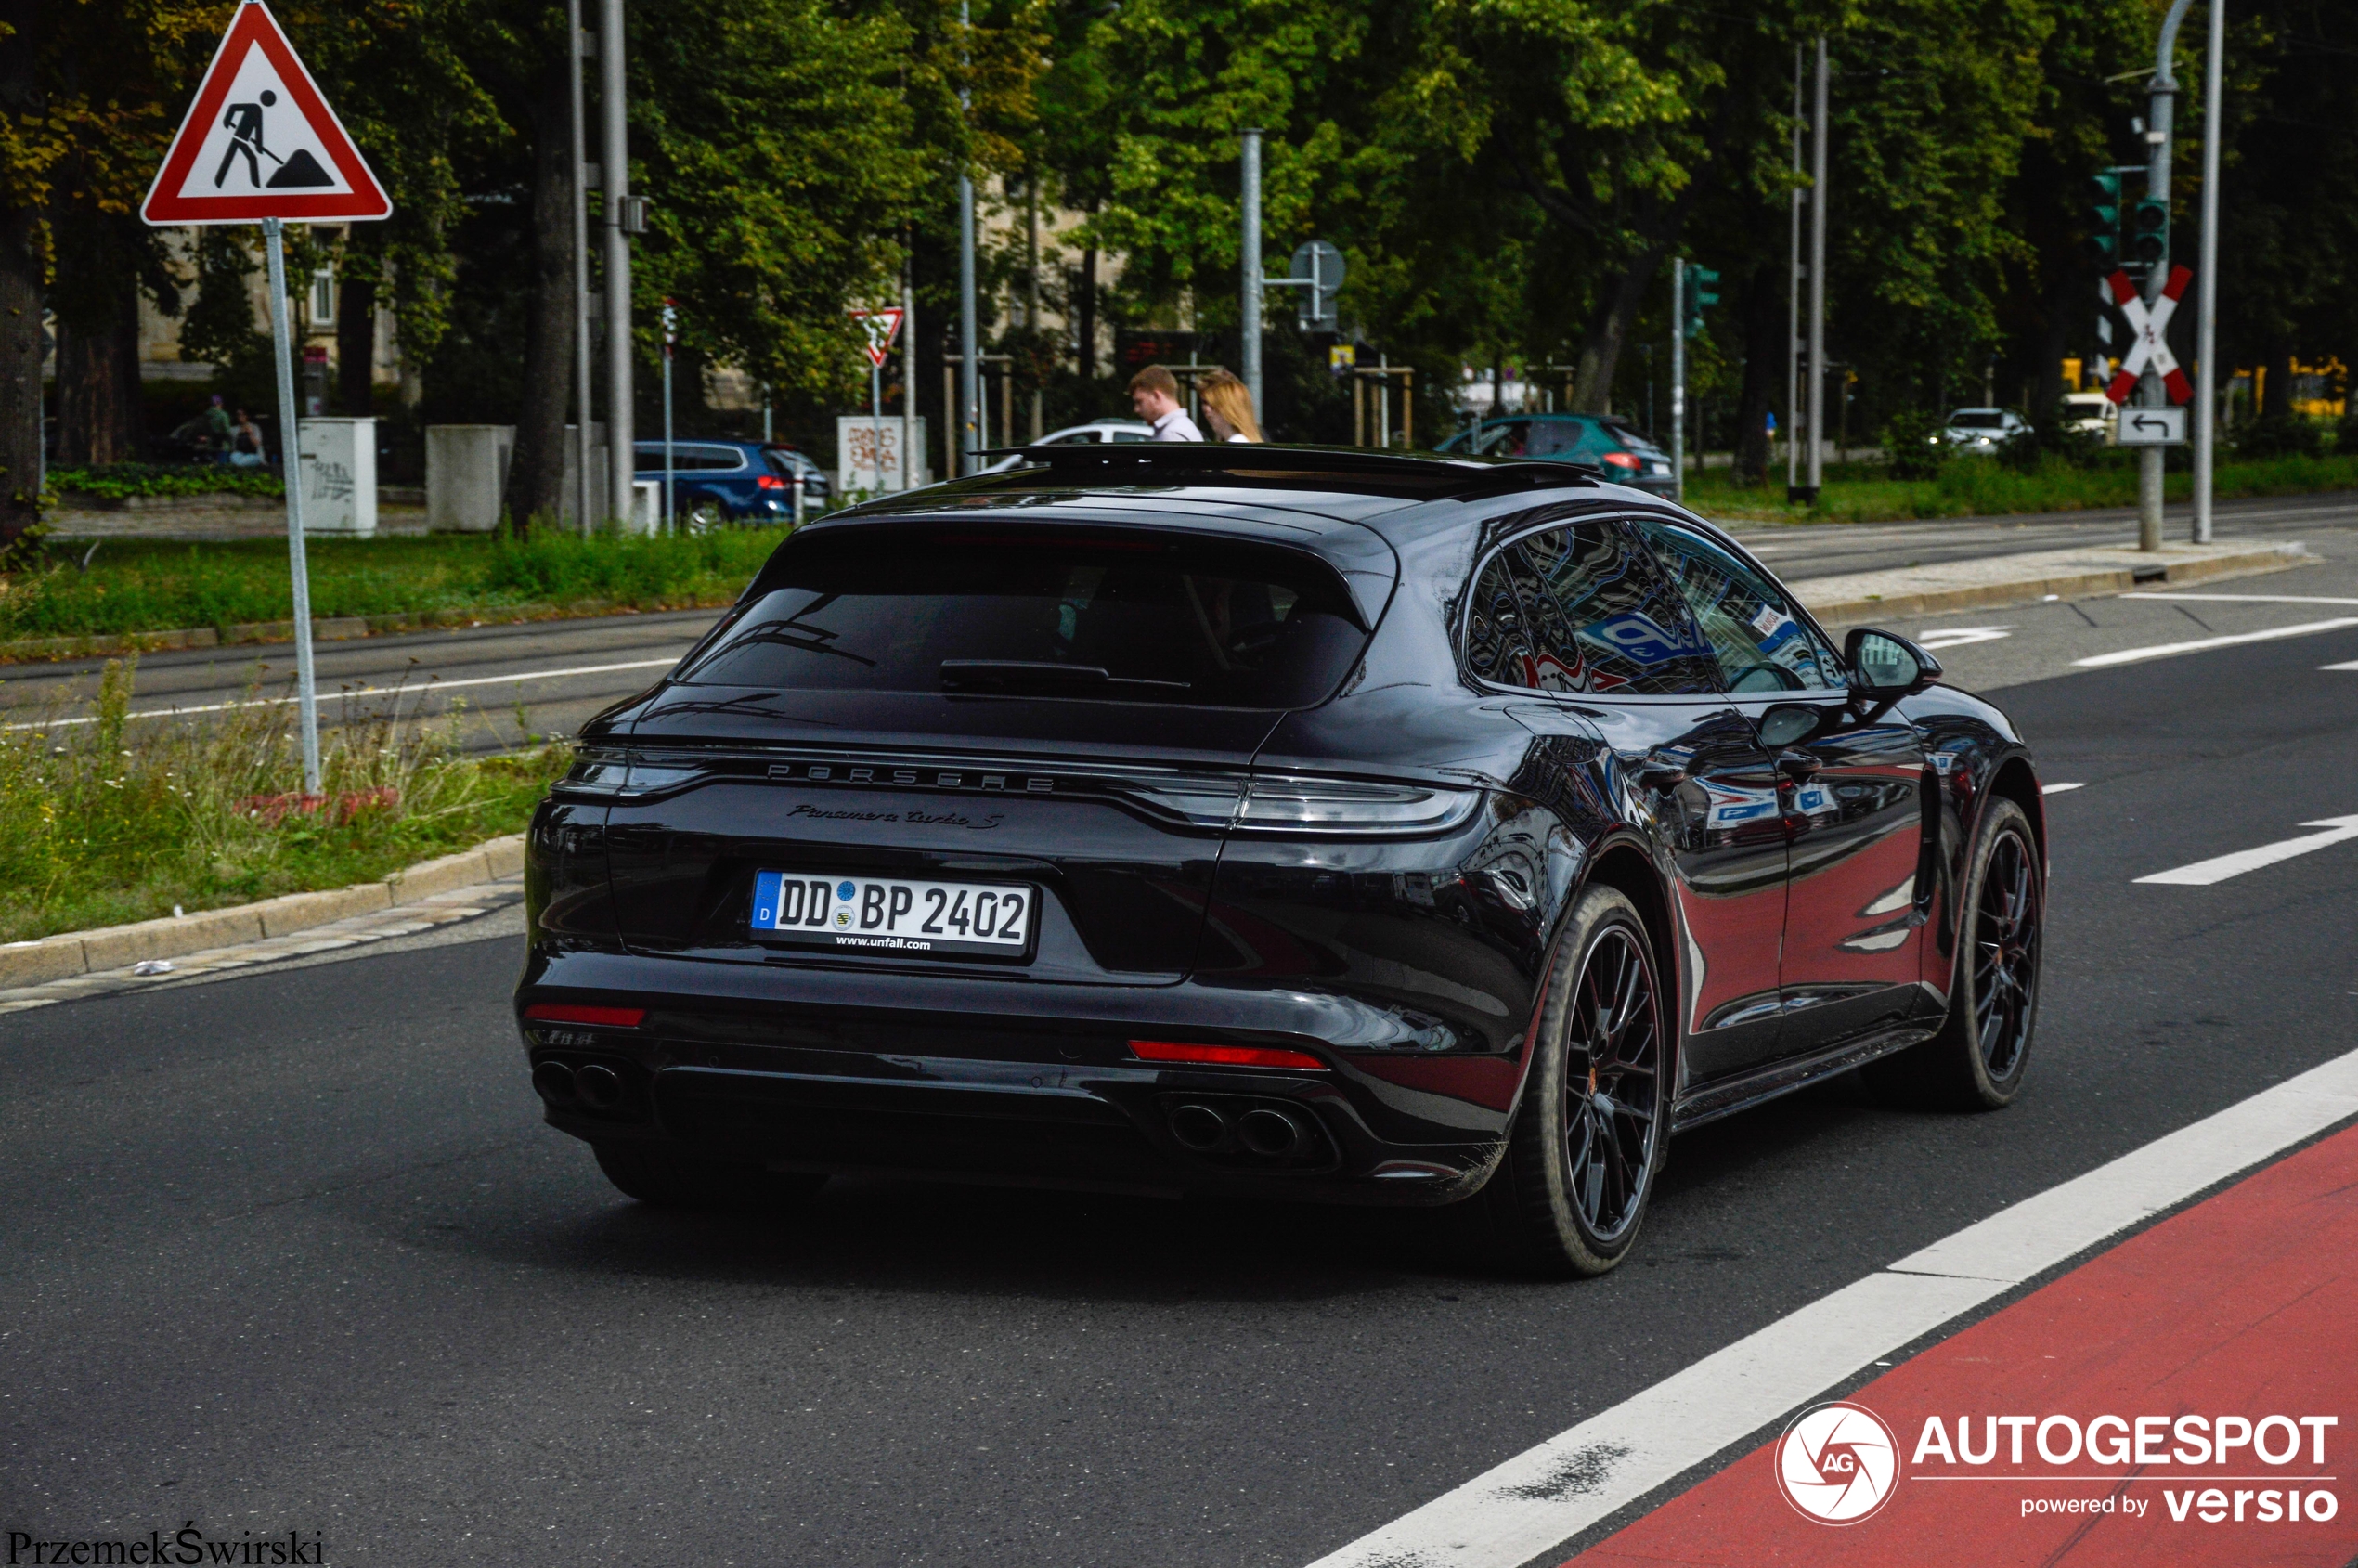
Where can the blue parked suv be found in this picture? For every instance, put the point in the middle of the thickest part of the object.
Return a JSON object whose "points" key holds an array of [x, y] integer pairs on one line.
{"points": [[1614, 446], [717, 483]]}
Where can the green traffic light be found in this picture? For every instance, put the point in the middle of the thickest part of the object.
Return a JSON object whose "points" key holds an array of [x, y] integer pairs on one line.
{"points": [[2150, 225]]}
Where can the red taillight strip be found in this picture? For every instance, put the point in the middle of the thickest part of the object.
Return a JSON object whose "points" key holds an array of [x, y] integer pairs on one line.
{"points": [[567, 1013], [1222, 1055]]}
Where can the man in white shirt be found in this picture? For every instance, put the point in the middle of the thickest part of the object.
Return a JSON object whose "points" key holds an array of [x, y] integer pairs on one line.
{"points": [[1154, 395]]}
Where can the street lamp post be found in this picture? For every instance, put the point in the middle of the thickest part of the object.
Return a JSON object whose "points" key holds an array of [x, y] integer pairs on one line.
{"points": [[2207, 321], [621, 451], [970, 312], [1249, 303], [2161, 95]]}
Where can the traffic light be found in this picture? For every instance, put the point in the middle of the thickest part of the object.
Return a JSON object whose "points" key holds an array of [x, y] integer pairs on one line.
{"points": [[2149, 233], [2104, 220], [1700, 293]]}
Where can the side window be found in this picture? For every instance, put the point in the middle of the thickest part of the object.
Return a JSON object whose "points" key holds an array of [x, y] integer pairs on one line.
{"points": [[1749, 624], [1581, 609], [1510, 439]]}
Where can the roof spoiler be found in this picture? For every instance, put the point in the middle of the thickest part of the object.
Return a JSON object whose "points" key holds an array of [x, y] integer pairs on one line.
{"points": [[1248, 465]]}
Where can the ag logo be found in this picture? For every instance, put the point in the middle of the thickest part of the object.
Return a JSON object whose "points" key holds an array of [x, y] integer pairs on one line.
{"points": [[1837, 1463]]}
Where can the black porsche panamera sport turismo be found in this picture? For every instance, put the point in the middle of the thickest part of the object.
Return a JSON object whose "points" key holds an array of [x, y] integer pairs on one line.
{"points": [[1317, 825]]}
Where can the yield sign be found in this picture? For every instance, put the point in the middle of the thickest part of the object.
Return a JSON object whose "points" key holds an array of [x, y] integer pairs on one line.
{"points": [[883, 327], [2146, 346], [260, 142]]}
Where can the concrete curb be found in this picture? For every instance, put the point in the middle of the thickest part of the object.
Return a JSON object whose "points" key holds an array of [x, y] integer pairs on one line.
{"points": [[82, 953], [1947, 587]]}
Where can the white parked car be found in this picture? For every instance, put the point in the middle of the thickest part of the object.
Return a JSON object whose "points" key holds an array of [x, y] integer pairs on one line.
{"points": [[1981, 430], [2094, 414], [1109, 429]]}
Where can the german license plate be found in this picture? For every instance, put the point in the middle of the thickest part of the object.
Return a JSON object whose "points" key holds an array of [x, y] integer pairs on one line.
{"points": [[890, 914]]}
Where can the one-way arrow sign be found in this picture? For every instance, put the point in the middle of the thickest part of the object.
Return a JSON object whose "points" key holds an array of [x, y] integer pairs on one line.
{"points": [[260, 142]]}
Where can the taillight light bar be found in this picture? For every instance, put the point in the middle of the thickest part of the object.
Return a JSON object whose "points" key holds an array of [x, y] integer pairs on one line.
{"points": [[1222, 1055], [568, 1013]]}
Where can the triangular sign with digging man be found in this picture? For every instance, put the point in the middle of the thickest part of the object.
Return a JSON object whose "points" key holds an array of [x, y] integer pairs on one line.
{"points": [[261, 142]]}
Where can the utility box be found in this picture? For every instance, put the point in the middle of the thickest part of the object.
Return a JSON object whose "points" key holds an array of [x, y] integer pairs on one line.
{"points": [[338, 474], [860, 440], [466, 476]]}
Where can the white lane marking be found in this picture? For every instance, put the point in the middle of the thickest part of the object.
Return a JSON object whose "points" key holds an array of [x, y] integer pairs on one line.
{"points": [[1962, 636], [1544, 1496], [370, 690], [2131, 655], [2202, 873], [2351, 665], [2246, 598], [2060, 789]]}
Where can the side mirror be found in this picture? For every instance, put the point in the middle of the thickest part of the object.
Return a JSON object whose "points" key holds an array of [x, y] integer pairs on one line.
{"points": [[1884, 664]]}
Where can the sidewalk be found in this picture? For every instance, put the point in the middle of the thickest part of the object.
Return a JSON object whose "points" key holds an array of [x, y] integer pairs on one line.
{"points": [[1943, 588]]}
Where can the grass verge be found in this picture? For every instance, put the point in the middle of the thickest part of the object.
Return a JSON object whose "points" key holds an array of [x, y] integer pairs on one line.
{"points": [[1982, 488], [155, 584], [118, 820]]}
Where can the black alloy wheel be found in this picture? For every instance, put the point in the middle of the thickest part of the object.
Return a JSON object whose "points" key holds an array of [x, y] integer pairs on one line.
{"points": [[1589, 1140], [1977, 1060]]}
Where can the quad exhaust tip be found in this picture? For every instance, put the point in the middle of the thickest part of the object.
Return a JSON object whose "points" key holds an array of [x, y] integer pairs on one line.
{"points": [[1267, 1131], [593, 1086]]}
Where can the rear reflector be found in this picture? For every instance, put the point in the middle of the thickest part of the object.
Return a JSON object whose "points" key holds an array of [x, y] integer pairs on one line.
{"points": [[567, 1012], [1221, 1055]]}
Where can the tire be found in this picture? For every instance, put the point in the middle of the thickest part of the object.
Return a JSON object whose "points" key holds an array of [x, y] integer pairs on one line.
{"points": [[1589, 1139], [1977, 1060], [704, 516], [670, 1180]]}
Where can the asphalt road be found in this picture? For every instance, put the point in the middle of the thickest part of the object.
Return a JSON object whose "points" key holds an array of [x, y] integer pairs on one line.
{"points": [[292, 1252]]}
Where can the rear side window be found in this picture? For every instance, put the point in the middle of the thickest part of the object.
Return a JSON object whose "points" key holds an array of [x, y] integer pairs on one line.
{"points": [[1110, 616], [1582, 609]]}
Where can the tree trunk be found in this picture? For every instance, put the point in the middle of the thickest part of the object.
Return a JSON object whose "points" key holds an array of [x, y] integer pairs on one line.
{"points": [[357, 346], [1764, 316], [99, 418], [19, 300], [537, 471]]}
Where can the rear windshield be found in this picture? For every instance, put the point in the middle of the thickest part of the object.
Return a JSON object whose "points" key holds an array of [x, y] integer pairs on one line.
{"points": [[1112, 616]]}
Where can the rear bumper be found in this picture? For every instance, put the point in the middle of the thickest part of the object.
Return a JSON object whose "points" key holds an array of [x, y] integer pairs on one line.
{"points": [[1026, 1084]]}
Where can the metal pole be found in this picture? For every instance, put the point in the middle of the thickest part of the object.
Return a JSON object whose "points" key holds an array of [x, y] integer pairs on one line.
{"points": [[2162, 93], [670, 475], [2206, 322], [621, 443], [908, 370], [1818, 278], [1792, 296], [1249, 301], [1031, 289], [876, 420], [290, 469], [1678, 378], [970, 312], [577, 133]]}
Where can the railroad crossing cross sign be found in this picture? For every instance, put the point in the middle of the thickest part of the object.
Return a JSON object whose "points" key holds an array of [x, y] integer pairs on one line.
{"points": [[261, 142], [883, 327], [2148, 347]]}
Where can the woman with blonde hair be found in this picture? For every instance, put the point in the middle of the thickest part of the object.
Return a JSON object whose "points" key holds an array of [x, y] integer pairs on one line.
{"points": [[1227, 408]]}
